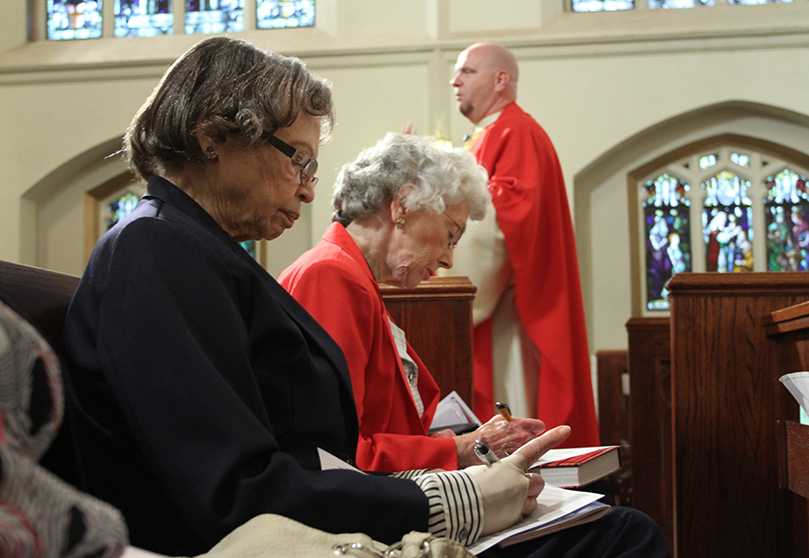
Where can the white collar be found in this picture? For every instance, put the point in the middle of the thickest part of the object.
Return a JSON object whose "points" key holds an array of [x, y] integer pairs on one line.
{"points": [[487, 120]]}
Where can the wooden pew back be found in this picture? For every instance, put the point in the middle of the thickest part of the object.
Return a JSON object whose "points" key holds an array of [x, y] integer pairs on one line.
{"points": [[726, 404], [39, 295]]}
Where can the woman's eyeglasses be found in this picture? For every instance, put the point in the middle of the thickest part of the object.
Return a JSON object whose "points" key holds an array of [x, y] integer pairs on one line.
{"points": [[453, 240], [308, 164]]}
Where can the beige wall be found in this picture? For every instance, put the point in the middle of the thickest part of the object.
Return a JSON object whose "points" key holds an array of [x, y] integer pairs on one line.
{"points": [[613, 90]]}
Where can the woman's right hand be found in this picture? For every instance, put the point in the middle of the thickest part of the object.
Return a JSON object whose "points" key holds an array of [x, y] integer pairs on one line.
{"points": [[502, 436], [508, 491]]}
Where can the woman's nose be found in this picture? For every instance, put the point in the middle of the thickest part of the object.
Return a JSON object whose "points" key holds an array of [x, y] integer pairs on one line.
{"points": [[307, 192]]}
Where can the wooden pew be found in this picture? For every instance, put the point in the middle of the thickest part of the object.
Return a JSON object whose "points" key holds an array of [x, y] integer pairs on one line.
{"points": [[437, 319], [726, 402], [613, 418], [788, 331], [649, 346], [39, 295]]}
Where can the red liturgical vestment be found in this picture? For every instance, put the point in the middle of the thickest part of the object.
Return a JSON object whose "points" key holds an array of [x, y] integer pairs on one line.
{"points": [[530, 201]]}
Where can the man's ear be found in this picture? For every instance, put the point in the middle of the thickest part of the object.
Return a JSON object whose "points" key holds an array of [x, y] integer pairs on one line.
{"points": [[501, 80]]}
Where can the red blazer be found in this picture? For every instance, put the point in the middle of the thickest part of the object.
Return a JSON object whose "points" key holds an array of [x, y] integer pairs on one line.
{"points": [[333, 282], [529, 196]]}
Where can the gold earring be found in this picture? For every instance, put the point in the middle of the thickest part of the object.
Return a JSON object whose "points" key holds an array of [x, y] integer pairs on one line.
{"points": [[400, 223]]}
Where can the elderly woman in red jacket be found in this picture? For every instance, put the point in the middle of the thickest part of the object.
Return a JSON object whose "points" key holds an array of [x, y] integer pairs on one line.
{"points": [[400, 208]]}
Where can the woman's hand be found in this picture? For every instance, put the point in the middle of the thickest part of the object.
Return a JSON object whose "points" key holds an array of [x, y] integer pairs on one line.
{"points": [[508, 491], [502, 436]]}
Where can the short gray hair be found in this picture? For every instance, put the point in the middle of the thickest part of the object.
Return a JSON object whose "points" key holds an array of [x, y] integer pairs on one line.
{"points": [[222, 87], [442, 177]]}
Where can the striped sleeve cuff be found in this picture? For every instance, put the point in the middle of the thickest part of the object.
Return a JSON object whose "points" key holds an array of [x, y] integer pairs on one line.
{"points": [[456, 506], [409, 475]]}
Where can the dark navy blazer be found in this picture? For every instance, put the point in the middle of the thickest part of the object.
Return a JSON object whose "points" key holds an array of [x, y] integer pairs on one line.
{"points": [[203, 390]]}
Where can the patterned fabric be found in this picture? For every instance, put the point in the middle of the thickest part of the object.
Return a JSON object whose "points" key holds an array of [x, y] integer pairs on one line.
{"points": [[40, 515], [410, 366]]}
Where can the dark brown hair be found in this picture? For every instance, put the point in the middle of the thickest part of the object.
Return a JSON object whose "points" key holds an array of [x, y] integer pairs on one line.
{"points": [[222, 87]]}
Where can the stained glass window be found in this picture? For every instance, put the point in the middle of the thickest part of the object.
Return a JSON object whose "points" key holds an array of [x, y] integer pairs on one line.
{"points": [[707, 161], [214, 16], [120, 208], [752, 214], [272, 14], [668, 240], [250, 247], [740, 159], [787, 214], [759, 1], [678, 4], [602, 5], [143, 18], [726, 224], [74, 19]]}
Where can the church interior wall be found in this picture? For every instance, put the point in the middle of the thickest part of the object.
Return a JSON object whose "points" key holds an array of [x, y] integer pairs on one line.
{"points": [[594, 83]]}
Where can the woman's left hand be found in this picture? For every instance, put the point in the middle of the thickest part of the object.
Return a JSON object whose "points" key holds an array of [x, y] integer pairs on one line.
{"points": [[502, 436]]}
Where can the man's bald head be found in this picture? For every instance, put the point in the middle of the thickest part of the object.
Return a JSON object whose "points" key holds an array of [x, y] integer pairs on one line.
{"points": [[498, 57], [485, 80]]}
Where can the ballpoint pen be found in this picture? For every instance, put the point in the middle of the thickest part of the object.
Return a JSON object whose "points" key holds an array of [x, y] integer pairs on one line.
{"points": [[503, 409], [485, 454]]}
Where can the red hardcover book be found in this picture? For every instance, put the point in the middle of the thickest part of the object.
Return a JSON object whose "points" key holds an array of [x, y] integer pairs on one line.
{"points": [[577, 466]]}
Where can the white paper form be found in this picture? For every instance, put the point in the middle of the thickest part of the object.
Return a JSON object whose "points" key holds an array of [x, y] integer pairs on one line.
{"points": [[798, 385], [553, 503]]}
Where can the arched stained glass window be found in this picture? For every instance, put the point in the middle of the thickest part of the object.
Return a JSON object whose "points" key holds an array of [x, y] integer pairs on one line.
{"points": [[668, 237], [143, 18], [120, 208], [787, 214], [726, 224], [750, 213], [273, 14], [214, 16], [74, 19]]}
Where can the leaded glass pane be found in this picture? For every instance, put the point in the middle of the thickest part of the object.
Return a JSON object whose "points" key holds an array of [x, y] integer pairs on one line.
{"points": [[74, 19], [273, 14], [707, 161], [120, 209], [250, 247], [143, 18], [602, 5], [726, 224], [740, 159], [678, 4], [787, 212], [214, 16], [668, 240], [759, 2]]}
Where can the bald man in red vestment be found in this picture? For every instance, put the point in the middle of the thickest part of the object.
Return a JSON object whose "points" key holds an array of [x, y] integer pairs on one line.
{"points": [[530, 336]]}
